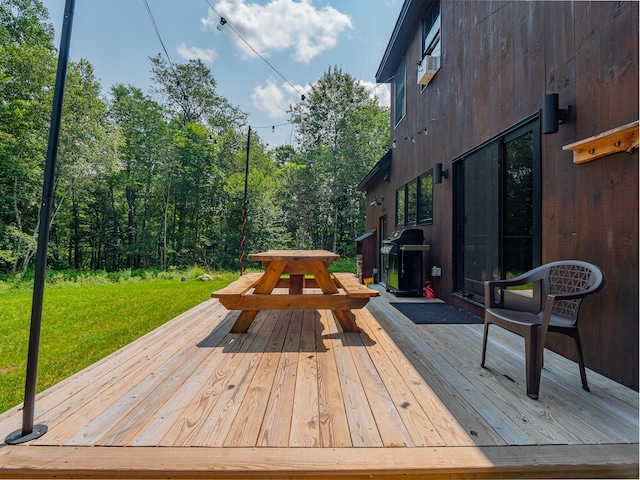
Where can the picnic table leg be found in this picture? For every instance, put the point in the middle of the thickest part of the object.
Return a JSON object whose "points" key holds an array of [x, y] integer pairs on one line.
{"points": [[347, 320], [266, 284], [244, 321], [321, 274], [296, 284]]}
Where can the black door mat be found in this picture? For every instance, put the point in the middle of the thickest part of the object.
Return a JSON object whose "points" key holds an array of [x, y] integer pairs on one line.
{"points": [[435, 313]]}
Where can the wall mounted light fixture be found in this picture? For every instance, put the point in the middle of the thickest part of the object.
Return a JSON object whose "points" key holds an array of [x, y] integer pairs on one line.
{"points": [[439, 173], [375, 202], [552, 116]]}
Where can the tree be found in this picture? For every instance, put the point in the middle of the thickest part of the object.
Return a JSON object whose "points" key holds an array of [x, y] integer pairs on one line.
{"points": [[203, 121], [27, 70], [146, 137], [189, 93], [265, 226], [342, 132], [25, 22], [82, 153]]}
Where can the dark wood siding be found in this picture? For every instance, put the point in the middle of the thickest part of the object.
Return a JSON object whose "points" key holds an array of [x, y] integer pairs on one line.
{"points": [[499, 60]]}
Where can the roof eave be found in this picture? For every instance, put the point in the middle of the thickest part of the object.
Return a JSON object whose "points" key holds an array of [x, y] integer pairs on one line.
{"points": [[411, 12], [379, 170]]}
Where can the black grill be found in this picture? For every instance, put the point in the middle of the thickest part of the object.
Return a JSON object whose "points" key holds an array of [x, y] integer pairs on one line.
{"points": [[402, 261]]}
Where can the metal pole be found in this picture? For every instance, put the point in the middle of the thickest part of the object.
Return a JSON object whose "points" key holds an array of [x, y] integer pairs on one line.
{"points": [[246, 170], [29, 431], [244, 203]]}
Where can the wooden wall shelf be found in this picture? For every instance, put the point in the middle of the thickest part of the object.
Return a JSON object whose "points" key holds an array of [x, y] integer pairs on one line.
{"points": [[621, 139]]}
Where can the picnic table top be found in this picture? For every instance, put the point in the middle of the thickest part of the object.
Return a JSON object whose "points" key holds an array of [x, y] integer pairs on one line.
{"points": [[294, 255]]}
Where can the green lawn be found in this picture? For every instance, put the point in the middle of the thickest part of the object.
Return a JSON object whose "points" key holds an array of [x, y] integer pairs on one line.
{"points": [[83, 323]]}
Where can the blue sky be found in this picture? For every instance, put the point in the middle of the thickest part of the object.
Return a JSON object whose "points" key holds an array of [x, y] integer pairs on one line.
{"points": [[299, 38]]}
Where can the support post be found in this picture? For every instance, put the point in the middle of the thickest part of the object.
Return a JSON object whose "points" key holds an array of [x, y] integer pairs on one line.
{"points": [[29, 431], [244, 203]]}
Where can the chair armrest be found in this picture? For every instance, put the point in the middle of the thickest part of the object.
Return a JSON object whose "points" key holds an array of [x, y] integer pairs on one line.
{"points": [[491, 285]]}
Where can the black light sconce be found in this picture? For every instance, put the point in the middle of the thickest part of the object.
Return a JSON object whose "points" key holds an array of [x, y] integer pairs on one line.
{"points": [[375, 202], [439, 173], [552, 116]]}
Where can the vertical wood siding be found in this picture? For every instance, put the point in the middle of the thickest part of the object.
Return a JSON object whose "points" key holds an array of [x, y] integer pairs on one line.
{"points": [[499, 60]]}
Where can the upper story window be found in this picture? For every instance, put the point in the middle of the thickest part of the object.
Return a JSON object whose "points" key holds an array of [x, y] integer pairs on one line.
{"points": [[430, 62], [431, 30], [399, 99]]}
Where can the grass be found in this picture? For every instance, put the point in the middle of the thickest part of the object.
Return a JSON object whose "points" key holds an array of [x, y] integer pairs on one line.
{"points": [[83, 322]]}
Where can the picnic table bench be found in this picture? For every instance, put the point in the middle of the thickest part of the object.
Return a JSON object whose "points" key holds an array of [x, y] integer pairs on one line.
{"points": [[307, 269]]}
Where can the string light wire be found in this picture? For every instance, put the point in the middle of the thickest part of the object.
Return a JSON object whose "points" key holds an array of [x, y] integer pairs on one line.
{"points": [[227, 23], [173, 68], [155, 27]]}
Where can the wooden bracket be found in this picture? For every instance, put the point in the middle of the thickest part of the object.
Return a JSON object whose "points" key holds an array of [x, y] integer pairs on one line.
{"points": [[621, 139]]}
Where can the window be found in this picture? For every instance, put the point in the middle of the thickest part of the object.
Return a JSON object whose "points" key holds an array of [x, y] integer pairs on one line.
{"points": [[431, 30], [429, 63], [414, 201], [425, 198], [399, 101], [400, 207], [497, 210]]}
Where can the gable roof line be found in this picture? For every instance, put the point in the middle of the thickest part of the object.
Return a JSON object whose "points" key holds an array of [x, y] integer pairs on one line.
{"points": [[378, 171], [411, 12]]}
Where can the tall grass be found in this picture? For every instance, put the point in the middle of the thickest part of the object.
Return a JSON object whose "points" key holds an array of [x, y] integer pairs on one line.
{"points": [[86, 317]]}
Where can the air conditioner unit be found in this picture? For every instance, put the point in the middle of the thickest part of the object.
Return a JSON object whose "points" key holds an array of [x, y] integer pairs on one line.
{"points": [[427, 69]]}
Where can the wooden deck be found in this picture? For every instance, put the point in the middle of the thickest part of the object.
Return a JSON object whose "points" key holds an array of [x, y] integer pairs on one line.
{"points": [[296, 397]]}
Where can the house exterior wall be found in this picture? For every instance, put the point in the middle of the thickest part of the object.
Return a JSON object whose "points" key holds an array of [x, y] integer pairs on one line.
{"points": [[499, 60]]}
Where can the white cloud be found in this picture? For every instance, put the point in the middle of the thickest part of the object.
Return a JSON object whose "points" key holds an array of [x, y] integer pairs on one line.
{"points": [[194, 53], [281, 25], [270, 100], [382, 90], [274, 101]]}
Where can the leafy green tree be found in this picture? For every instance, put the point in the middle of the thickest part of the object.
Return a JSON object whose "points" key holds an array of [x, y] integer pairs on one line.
{"points": [[159, 179], [25, 22], [81, 154], [342, 132], [189, 93], [27, 70], [146, 136], [204, 123]]}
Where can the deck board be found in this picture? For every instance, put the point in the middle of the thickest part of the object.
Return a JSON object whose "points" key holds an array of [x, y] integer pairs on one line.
{"points": [[296, 395], [334, 428]]}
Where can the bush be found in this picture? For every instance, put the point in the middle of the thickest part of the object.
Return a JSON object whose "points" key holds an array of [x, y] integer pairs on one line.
{"points": [[343, 265], [57, 278]]}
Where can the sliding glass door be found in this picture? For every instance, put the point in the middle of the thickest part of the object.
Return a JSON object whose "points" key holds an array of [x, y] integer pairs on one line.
{"points": [[497, 210]]}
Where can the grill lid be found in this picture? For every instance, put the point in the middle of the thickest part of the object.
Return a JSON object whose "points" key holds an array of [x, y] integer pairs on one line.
{"points": [[386, 248], [407, 236]]}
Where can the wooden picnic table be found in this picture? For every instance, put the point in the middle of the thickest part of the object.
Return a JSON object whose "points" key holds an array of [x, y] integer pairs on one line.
{"points": [[306, 269]]}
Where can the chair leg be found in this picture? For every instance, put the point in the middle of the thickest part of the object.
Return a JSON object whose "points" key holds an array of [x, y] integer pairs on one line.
{"points": [[484, 343], [532, 368], [583, 373]]}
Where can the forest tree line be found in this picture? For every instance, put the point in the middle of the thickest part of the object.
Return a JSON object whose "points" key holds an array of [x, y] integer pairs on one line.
{"points": [[157, 178]]}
